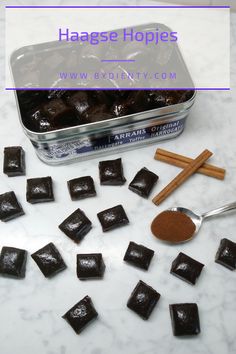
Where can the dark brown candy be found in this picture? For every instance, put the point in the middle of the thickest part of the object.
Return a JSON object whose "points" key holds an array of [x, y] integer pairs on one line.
{"points": [[52, 94], [111, 172], [186, 268], [143, 182], [39, 190], [28, 99], [118, 94], [80, 315], [76, 225], [226, 254], [80, 101], [44, 111], [10, 208], [143, 299], [49, 260], [60, 114], [82, 187], [96, 113], [185, 319], [138, 101], [185, 95], [37, 121], [14, 161], [101, 97], [112, 218], [157, 99], [13, 262], [120, 108], [177, 96], [171, 98], [138, 255], [90, 266]]}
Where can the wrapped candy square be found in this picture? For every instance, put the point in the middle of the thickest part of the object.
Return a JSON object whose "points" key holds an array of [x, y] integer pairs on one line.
{"points": [[143, 182], [10, 208], [226, 254], [90, 266], [81, 314], [112, 218], [111, 172], [76, 225], [49, 260], [186, 268], [39, 190], [82, 187], [138, 255], [59, 113], [143, 299], [13, 262], [185, 319], [80, 100], [14, 161]]}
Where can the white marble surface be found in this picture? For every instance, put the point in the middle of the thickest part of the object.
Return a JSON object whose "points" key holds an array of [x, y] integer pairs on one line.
{"points": [[31, 309]]}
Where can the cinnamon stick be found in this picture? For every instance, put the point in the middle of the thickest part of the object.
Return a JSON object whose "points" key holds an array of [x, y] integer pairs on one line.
{"points": [[182, 176], [182, 161], [161, 154]]}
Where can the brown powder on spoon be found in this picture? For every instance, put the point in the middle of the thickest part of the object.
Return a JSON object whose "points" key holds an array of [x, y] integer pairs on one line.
{"points": [[173, 226]]}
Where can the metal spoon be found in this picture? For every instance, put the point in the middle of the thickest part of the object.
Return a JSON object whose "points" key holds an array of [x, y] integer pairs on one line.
{"points": [[198, 219]]}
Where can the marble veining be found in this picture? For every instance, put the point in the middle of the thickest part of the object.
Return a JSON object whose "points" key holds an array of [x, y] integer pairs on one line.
{"points": [[31, 309]]}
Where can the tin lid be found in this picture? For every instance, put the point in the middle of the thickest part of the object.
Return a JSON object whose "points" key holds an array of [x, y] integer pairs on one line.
{"points": [[145, 56]]}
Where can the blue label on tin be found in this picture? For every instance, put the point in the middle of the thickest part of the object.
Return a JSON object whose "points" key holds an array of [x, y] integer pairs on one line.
{"points": [[140, 134], [85, 145]]}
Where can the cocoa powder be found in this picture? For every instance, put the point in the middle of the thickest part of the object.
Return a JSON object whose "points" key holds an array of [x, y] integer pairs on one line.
{"points": [[173, 226]]}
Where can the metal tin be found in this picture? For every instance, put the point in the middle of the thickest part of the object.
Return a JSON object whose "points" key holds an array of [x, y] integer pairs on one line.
{"points": [[103, 137], [69, 144]]}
